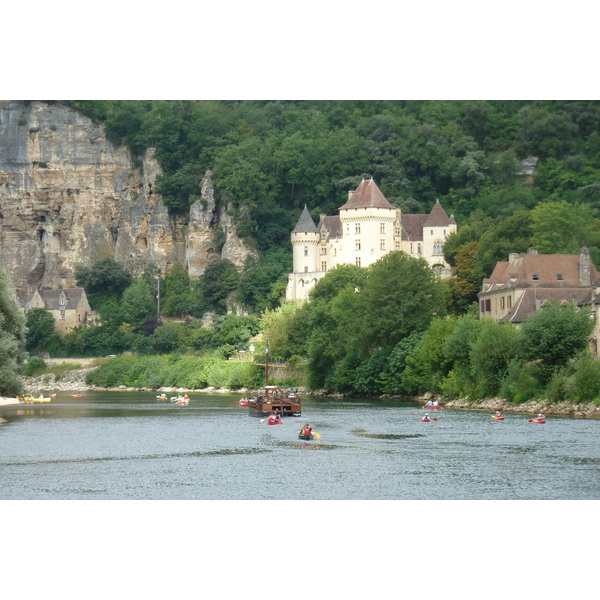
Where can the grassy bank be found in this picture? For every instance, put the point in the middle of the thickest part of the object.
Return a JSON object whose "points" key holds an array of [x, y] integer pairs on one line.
{"points": [[190, 372]]}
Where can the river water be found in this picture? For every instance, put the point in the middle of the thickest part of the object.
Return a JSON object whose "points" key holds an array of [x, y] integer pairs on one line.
{"points": [[130, 446]]}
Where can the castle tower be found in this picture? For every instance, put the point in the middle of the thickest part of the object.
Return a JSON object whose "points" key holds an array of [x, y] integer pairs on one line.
{"points": [[367, 225], [305, 243]]}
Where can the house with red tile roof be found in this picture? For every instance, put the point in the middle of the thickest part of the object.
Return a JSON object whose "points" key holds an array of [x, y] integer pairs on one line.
{"points": [[366, 229], [517, 288]]}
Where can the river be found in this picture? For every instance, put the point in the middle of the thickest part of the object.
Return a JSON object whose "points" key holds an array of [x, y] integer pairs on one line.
{"points": [[130, 446]]}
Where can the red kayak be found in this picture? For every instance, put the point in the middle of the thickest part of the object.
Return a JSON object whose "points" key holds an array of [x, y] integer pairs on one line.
{"points": [[425, 420], [433, 407], [244, 402], [497, 418], [274, 422], [537, 421]]}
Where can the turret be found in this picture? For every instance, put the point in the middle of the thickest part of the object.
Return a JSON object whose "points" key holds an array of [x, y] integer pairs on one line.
{"points": [[305, 242]]}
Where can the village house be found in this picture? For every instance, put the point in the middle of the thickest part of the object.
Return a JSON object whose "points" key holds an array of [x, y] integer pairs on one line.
{"points": [[69, 307], [366, 229], [520, 286]]}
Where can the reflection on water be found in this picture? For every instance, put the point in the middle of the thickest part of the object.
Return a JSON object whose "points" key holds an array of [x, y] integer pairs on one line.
{"points": [[131, 446]]}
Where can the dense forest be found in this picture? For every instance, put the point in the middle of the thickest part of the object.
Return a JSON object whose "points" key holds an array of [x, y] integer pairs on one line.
{"points": [[515, 174], [269, 158]]}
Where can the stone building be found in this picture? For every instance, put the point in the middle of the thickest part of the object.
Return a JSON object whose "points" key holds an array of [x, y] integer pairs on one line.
{"points": [[69, 307], [520, 286], [366, 229]]}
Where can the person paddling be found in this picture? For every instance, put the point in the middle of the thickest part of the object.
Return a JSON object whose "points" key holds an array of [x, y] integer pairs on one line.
{"points": [[541, 417], [498, 415], [306, 430], [426, 417]]}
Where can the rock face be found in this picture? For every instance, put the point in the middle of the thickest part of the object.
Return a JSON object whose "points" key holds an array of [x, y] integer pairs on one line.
{"points": [[68, 196]]}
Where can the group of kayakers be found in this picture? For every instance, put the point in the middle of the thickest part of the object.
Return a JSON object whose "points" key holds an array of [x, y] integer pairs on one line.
{"points": [[431, 404]]}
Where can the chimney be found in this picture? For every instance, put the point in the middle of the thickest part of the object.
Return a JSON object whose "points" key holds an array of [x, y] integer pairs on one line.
{"points": [[584, 267], [532, 251], [350, 192], [512, 258]]}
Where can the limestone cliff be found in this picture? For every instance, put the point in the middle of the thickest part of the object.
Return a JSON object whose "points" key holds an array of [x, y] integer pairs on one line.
{"points": [[68, 196]]}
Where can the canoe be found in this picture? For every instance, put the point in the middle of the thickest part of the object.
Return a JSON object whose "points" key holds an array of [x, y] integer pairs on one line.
{"points": [[302, 436]]}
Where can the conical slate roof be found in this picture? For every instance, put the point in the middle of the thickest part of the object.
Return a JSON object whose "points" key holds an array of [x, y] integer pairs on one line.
{"points": [[305, 223], [367, 195], [437, 217]]}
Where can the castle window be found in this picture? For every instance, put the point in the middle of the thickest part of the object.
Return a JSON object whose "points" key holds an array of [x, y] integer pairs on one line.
{"points": [[348, 228], [437, 248], [411, 248], [382, 228], [357, 245], [418, 248], [502, 303], [306, 269], [509, 301], [358, 261], [432, 232], [323, 250], [397, 231], [62, 315], [324, 266], [357, 228], [488, 305], [305, 250], [382, 244], [535, 277], [559, 277], [396, 245]]}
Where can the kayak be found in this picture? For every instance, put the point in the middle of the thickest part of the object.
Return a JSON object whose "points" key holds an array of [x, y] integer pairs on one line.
{"points": [[425, 420], [275, 422], [497, 418], [538, 420], [303, 436], [244, 402], [77, 395], [433, 407]]}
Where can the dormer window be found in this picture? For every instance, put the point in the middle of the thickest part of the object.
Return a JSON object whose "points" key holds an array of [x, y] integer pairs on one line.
{"points": [[535, 277], [62, 302], [559, 277]]}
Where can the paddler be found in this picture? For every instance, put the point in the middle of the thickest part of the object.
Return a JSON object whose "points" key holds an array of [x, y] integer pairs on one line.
{"points": [[498, 414], [541, 417], [306, 430], [273, 417], [426, 417]]}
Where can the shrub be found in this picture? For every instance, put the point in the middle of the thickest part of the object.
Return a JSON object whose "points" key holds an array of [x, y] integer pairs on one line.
{"points": [[34, 366]]}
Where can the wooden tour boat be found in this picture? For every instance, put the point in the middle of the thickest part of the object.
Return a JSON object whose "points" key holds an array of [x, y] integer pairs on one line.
{"points": [[274, 400]]}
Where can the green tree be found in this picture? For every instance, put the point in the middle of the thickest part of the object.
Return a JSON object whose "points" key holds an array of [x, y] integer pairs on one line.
{"points": [[106, 278], [220, 279], [562, 228], [40, 330], [138, 304], [554, 335], [176, 294], [12, 338], [400, 295], [466, 279], [490, 356]]}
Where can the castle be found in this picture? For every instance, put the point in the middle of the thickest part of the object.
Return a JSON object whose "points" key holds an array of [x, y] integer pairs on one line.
{"points": [[367, 228]]}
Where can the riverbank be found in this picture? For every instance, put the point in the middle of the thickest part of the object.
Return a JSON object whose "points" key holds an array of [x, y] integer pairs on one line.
{"points": [[75, 381]]}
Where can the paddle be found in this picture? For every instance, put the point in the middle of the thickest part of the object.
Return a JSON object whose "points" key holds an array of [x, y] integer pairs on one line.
{"points": [[317, 435]]}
